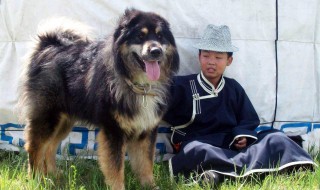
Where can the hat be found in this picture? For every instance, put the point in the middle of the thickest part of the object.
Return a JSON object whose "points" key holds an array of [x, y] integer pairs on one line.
{"points": [[216, 38]]}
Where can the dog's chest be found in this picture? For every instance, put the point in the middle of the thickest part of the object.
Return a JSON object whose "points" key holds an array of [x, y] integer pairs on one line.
{"points": [[146, 116]]}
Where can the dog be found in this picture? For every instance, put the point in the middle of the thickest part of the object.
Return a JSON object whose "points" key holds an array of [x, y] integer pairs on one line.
{"points": [[119, 83]]}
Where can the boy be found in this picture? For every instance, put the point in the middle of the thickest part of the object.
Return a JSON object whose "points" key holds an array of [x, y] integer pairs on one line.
{"points": [[214, 121]]}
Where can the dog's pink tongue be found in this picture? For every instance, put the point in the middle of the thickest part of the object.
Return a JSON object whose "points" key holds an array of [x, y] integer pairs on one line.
{"points": [[152, 69]]}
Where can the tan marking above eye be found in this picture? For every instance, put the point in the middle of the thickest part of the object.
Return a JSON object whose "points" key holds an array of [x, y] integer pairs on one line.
{"points": [[145, 30], [158, 30]]}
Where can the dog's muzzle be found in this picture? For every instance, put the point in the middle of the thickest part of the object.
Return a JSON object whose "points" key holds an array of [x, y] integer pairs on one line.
{"points": [[150, 59]]}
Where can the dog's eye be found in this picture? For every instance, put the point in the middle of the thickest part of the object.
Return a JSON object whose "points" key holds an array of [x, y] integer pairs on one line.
{"points": [[159, 36], [141, 35]]}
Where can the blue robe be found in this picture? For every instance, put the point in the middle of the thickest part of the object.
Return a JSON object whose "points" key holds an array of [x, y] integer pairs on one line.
{"points": [[206, 121]]}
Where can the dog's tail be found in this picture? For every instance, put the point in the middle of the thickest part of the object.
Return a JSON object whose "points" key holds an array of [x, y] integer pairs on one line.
{"points": [[61, 32], [51, 33]]}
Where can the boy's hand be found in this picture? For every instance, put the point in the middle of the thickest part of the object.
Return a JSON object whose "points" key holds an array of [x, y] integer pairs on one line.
{"points": [[240, 143]]}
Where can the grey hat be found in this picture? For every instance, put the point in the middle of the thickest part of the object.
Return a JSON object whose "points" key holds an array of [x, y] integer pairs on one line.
{"points": [[216, 38]]}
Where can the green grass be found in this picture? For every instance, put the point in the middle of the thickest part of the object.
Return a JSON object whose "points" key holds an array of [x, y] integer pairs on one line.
{"points": [[80, 174]]}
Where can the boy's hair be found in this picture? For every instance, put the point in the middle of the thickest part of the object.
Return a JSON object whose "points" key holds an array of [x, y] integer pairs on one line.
{"points": [[230, 54]]}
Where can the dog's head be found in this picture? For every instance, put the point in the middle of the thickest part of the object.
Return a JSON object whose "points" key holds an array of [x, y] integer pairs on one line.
{"points": [[144, 47]]}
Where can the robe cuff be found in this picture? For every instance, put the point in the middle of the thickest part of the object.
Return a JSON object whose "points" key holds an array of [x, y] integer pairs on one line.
{"points": [[250, 135], [172, 176]]}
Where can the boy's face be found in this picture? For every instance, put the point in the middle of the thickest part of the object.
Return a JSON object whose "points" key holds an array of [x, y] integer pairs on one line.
{"points": [[213, 64]]}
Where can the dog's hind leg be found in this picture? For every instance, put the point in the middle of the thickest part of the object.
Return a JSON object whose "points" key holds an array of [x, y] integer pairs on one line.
{"points": [[111, 152], [40, 142], [61, 131], [37, 134], [141, 153]]}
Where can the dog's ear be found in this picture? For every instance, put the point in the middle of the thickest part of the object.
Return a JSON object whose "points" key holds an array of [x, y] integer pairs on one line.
{"points": [[127, 17], [130, 17], [175, 61], [174, 58]]}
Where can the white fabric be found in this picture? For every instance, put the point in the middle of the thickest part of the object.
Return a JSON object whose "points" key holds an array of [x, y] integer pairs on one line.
{"points": [[253, 30]]}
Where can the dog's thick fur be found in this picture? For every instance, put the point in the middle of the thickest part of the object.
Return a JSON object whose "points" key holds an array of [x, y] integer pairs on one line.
{"points": [[112, 83]]}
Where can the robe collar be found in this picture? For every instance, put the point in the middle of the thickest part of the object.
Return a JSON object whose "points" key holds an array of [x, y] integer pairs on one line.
{"points": [[208, 87]]}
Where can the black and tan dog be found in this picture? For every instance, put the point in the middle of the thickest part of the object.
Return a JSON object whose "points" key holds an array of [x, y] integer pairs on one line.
{"points": [[119, 84]]}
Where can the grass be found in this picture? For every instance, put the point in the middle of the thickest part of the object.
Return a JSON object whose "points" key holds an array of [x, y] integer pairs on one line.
{"points": [[81, 174]]}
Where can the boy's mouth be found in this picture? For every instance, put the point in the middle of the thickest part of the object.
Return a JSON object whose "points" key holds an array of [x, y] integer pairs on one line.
{"points": [[211, 70]]}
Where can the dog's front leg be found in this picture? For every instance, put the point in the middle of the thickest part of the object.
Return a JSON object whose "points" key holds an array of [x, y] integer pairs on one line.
{"points": [[111, 153], [141, 155]]}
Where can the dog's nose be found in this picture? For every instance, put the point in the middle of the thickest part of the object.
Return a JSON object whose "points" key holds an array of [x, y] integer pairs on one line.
{"points": [[155, 52]]}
